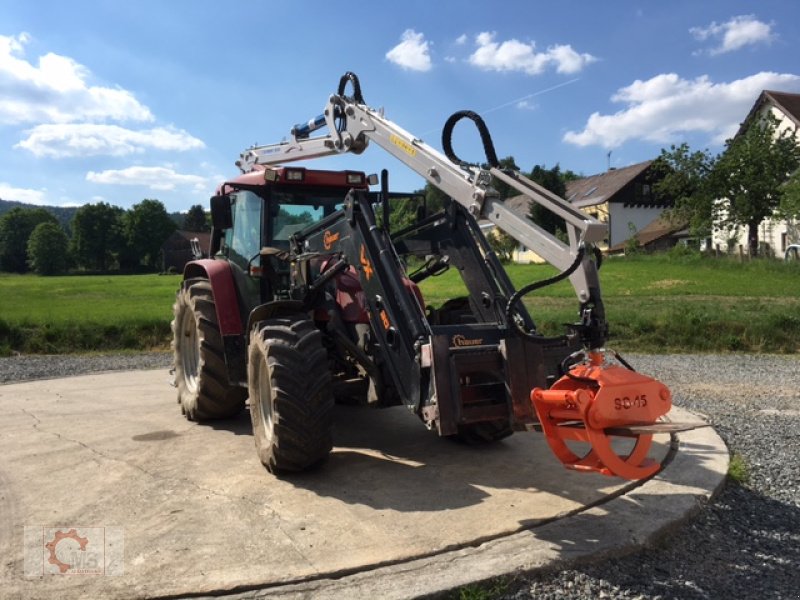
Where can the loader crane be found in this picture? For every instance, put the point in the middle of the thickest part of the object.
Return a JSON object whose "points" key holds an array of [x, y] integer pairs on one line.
{"points": [[307, 299]]}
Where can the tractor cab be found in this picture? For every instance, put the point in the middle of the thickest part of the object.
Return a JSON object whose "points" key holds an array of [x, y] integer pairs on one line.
{"points": [[255, 216]]}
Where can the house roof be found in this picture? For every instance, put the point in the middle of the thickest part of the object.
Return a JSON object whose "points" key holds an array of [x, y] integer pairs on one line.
{"points": [[655, 230], [589, 191], [789, 104], [204, 237], [600, 188]]}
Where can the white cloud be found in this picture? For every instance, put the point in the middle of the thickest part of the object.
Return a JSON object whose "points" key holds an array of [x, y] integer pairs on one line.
{"points": [[665, 107], [85, 139], [412, 53], [462, 39], [513, 55], [527, 105], [738, 32], [56, 90], [8, 192], [155, 178]]}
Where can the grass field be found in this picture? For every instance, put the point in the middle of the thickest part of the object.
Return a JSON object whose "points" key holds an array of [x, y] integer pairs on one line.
{"points": [[653, 304], [85, 313]]}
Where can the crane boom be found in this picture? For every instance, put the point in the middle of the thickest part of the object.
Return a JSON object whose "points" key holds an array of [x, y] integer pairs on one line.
{"points": [[352, 126]]}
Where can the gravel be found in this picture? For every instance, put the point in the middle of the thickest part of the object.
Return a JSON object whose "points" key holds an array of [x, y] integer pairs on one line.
{"points": [[746, 544], [22, 368]]}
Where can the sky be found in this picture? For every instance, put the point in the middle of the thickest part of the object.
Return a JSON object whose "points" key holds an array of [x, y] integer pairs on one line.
{"points": [[110, 101]]}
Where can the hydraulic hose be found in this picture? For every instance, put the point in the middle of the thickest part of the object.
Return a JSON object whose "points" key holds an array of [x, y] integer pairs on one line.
{"points": [[486, 138], [353, 79], [536, 285]]}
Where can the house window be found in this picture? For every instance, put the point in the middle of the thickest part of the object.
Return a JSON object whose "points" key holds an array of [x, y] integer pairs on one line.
{"points": [[783, 242]]}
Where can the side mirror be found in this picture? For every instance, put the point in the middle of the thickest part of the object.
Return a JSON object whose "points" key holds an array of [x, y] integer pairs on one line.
{"points": [[221, 216]]}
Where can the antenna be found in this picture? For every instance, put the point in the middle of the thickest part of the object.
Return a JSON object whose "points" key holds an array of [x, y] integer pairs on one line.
{"points": [[608, 156]]}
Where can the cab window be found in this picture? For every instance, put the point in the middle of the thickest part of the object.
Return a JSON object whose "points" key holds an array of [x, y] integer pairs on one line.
{"points": [[244, 240]]}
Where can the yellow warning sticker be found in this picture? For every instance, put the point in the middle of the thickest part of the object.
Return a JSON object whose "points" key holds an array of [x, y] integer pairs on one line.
{"points": [[403, 145]]}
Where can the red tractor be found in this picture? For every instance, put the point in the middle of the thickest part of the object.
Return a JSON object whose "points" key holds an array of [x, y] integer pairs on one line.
{"points": [[310, 297]]}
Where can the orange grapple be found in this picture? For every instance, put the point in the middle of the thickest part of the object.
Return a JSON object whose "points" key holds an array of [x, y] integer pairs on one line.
{"points": [[596, 402]]}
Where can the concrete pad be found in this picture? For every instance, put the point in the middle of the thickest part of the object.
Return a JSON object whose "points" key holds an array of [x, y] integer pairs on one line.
{"points": [[395, 511]]}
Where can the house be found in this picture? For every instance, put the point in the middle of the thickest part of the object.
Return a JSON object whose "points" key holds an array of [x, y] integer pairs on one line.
{"points": [[658, 236], [623, 198], [177, 250], [774, 235]]}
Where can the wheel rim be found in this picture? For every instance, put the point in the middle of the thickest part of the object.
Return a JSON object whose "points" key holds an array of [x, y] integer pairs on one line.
{"points": [[264, 399], [190, 351]]}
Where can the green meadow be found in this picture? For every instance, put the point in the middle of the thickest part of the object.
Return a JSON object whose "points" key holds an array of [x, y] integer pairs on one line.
{"points": [[657, 304]]}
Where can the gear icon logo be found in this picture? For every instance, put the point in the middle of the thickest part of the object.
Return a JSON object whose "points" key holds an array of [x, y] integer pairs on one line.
{"points": [[59, 537]]}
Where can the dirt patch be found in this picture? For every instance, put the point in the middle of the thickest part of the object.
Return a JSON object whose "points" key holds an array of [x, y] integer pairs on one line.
{"points": [[666, 284]]}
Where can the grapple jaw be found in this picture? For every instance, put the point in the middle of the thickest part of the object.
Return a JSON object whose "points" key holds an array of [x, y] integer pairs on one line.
{"points": [[597, 401]]}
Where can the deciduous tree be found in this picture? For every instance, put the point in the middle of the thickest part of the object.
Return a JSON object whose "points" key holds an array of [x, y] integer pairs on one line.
{"points": [[195, 219], [147, 226], [47, 249], [683, 177], [97, 235], [16, 227], [552, 180], [751, 173]]}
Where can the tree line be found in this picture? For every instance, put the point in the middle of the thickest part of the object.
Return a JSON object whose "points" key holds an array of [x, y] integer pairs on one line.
{"points": [[102, 238]]}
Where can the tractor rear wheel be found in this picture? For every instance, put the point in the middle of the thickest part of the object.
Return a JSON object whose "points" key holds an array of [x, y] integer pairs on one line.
{"points": [[291, 400], [198, 357]]}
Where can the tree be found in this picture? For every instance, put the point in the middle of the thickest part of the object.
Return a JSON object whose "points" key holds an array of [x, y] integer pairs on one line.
{"points": [[147, 226], [502, 244], [554, 181], [750, 173], [404, 212], [16, 227], [47, 249], [97, 235], [504, 189], [683, 176], [195, 219]]}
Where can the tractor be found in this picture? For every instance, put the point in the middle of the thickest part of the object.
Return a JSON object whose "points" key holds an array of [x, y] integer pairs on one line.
{"points": [[310, 297]]}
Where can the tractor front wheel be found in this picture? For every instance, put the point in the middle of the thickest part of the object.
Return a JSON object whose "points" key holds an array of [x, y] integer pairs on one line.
{"points": [[483, 433], [291, 401], [198, 356]]}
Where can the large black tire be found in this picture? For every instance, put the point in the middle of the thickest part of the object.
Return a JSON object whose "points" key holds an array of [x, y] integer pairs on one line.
{"points": [[483, 433], [291, 400], [198, 357]]}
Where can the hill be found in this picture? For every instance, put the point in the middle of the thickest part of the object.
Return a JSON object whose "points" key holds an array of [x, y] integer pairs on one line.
{"points": [[64, 214]]}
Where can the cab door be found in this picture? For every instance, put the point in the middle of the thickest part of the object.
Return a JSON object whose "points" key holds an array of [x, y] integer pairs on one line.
{"points": [[242, 246]]}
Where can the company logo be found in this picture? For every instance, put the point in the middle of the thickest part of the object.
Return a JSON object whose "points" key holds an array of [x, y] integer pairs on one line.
{"points": [[461, 341], [329, 239], [73, 551], [365, 263]]}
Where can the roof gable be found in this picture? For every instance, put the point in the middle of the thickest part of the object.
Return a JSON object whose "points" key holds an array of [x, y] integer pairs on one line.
{"points": [[787, 103], [600, 188]]}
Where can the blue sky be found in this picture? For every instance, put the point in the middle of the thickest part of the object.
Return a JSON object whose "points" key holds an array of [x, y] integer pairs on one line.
{"points": [[120, 101]]}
